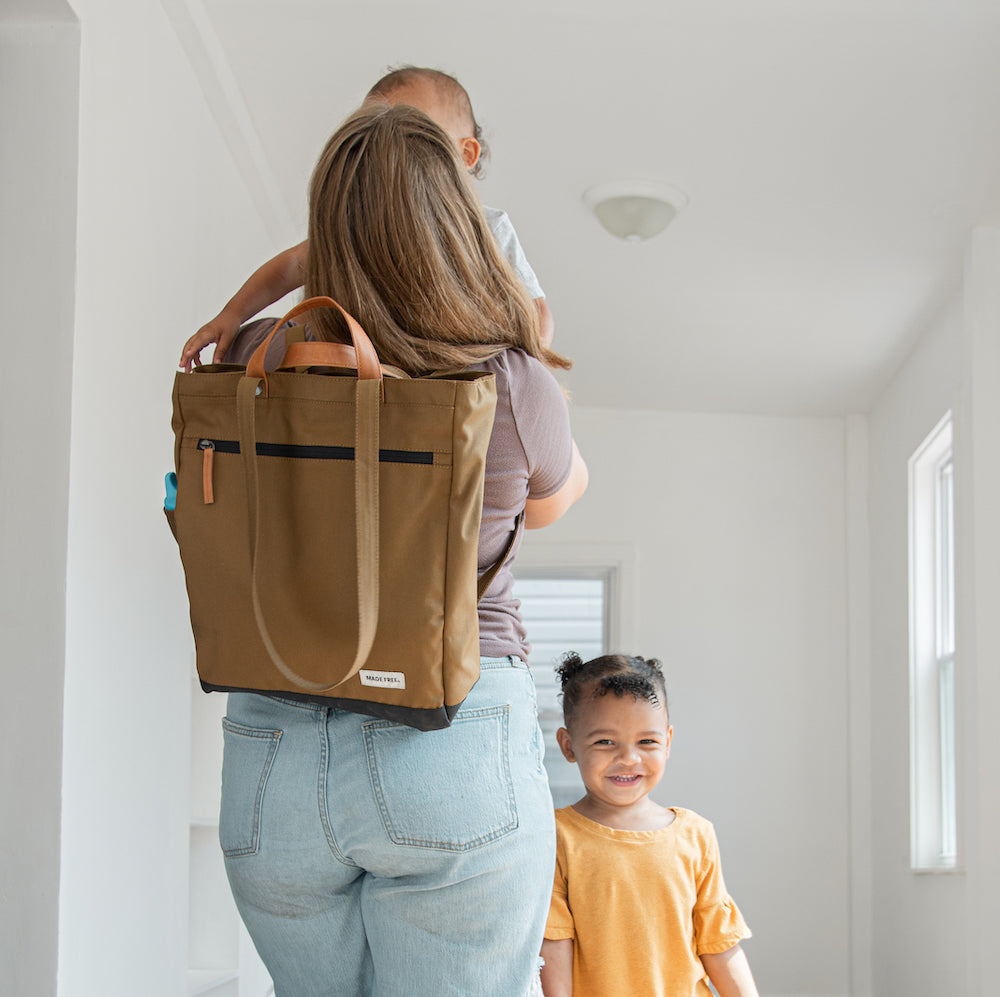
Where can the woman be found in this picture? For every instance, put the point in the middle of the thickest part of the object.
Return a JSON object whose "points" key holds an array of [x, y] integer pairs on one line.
{"points": [[355, 883]]}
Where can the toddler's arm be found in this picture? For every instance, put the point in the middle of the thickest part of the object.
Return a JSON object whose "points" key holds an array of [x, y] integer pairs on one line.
{"points": [[268, 284], [730, 973], [557, 973]]}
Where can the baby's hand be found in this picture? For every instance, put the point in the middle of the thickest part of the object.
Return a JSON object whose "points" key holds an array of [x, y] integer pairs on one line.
{"points": [[221, 331]]}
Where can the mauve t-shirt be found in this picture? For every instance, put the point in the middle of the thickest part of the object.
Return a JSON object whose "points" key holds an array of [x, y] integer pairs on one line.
{"points": [[529, 456]]}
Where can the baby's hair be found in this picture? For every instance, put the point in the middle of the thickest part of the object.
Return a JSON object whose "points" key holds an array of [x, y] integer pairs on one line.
{"points": [[620, 674], [448, 87]]}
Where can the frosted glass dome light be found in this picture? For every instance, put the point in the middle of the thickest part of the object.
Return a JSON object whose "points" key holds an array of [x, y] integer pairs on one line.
{"points": [[635, 210]]}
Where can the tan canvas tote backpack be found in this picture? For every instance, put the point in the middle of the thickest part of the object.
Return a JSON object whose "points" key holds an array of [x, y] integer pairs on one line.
{"points": [[328, 524]]}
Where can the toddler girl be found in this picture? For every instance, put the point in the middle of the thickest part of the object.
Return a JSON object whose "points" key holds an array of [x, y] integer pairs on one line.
{"points": [[639, 905], [446, 102]]}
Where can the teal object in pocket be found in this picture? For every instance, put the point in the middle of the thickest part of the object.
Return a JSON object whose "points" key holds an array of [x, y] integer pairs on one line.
{"points": [[170, 499]]}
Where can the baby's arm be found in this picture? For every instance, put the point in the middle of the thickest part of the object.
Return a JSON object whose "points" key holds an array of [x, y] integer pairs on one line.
{"points": [[729, 972], [268, 284], [546, 323], [557, 973]]}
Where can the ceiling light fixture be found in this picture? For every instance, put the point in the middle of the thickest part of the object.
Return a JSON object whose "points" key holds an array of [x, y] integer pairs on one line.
{"points": [[635, 210]]}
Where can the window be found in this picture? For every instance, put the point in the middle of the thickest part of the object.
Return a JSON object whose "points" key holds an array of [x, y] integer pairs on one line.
{"points": [[933, 808], [564, 609]]}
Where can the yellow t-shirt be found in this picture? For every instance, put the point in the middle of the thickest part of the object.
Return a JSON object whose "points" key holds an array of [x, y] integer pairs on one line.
{"points": [[641, 906]]}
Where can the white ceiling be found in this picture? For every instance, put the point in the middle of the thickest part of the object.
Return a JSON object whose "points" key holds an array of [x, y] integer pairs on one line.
{"points": [[836, 153]]}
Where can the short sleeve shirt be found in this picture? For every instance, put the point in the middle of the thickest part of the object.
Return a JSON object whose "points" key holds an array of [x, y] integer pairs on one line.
{"points": [[658, 893], [510, 246], [529, 457]]}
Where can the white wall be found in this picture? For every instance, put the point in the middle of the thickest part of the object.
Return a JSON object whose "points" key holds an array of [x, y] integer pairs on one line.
{"points": [[39, 59], [738, 531], [166, 226], [921, 921], [978, 637], [934, 934]]}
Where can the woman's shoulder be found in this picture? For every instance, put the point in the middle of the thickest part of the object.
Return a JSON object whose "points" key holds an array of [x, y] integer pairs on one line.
{"points": [[527, 385], [521, 367]]}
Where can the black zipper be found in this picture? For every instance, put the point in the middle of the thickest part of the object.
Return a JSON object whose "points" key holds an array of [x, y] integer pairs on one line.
{"points": [[317, 452]]}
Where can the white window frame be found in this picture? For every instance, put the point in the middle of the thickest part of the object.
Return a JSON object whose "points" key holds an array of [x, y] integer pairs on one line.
{"points": [[619, 560], [933, 719]]}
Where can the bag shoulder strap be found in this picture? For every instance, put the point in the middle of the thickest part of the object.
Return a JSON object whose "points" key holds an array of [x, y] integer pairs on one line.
{"points": [[368, 395], [486, 578]]}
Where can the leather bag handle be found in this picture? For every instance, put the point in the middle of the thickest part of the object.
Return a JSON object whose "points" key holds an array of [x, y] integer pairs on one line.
{"points": [[311, 353], [368, 395], [367, 364]]}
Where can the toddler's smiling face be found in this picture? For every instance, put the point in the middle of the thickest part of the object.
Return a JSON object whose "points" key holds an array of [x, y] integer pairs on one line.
{"points": [[621, 744]]}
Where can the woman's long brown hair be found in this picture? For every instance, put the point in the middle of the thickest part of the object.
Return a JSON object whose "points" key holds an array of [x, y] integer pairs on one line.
{"points": [[398, 237]]}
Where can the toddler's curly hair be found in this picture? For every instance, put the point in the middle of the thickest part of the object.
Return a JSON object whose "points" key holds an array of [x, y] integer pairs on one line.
{"points": [[620, 674]]}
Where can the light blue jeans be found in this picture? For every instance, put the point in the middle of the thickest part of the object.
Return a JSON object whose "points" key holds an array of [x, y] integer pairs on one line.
{"points": [[367, 858]]}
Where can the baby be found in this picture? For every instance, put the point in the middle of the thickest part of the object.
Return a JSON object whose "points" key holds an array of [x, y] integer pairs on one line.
{"points": [[446, 101], [639, 905]]}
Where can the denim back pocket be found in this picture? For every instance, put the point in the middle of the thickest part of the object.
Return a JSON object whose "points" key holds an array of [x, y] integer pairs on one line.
{"points": [[246, 763], [448, 789]]}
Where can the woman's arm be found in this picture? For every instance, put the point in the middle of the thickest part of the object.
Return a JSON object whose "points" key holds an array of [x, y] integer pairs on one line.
{"points": [[267, 284], [557, 973], [542, 512], [730, 973]]}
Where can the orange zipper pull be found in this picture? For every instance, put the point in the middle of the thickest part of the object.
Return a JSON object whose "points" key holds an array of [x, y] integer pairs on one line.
{"points": [[208, 449]]}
